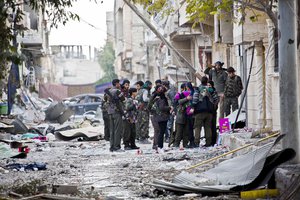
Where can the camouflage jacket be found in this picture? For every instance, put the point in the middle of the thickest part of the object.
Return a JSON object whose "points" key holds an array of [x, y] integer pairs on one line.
{"points": [[143, 97], [130, 110], [233, 86], [115, 99], [104, 104]]}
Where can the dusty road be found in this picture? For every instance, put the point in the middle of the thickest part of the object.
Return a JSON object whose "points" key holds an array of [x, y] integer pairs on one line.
{"points": [[98, 173]]}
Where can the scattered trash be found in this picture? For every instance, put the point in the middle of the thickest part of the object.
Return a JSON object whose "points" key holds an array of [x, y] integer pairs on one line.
{"points": [[23, 167], [176, 158], [7, 152], [88, 134], [29, 136]]}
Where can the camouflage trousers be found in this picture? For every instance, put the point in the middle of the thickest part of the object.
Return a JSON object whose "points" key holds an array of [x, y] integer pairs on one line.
{"points": [[142, 125], [230, 102]]}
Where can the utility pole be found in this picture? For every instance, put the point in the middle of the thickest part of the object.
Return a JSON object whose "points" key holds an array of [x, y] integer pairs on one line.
{"points": [[160, 36], [288, 82]]}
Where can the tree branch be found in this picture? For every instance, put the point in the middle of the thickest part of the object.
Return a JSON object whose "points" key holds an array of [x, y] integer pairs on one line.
{"points": [[266, 9], [250, 5]]}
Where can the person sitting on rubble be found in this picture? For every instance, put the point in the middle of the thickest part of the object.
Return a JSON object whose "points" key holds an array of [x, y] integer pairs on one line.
{"points": [[130, 119]]}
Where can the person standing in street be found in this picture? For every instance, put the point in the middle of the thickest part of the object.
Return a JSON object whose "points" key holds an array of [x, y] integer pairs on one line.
{"points": [[161, 112], [115, 112], [215, 100], [182, 99], [203, 109], [189, 116], [233, 89], [143, 113], [105, 116], [170, 94], [218, 75], [139, 86], [130, 119]]}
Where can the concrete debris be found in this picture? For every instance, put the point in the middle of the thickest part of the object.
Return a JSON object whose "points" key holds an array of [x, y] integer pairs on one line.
{"points": [[3, 171], [88, 134], [19, 126], [5, 126], [176, 158], [58, 112], [65, 189]]}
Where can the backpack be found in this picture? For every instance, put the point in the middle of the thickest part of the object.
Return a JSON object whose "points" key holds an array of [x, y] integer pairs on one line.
{"points": [[205, 106]]}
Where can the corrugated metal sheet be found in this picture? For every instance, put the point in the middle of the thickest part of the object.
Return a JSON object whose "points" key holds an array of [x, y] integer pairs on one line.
{"points": [[247, 171]]}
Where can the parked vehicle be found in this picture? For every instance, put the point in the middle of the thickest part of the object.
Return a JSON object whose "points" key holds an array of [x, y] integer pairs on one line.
{"points": [[83, 103]]}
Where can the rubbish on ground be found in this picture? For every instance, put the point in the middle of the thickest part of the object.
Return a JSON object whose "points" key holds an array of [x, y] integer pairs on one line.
{"points": [[258, 132], [13, 194], [88, 134], [23, 167], [53, 197], [19, 126], [176, 158], [7, 152], [224, 125], [29, 136]]}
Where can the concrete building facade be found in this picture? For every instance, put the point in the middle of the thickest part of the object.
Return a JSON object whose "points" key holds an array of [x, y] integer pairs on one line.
{"points": [[130, 47], [34, 45], [110, 34], [219, 39]]}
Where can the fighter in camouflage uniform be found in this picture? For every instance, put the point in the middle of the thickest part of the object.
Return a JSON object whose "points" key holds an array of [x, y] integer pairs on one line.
{"points": [[142, 125], [105, 116], [233, 89], [130, 110], [115, 112]]}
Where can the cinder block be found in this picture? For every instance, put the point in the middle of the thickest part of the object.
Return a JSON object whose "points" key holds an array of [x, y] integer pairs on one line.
{"points": [[65, 189]]}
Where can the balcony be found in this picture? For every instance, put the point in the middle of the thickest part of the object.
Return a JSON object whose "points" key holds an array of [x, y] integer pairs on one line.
{"points": [[251, 31], [31, 38]]}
